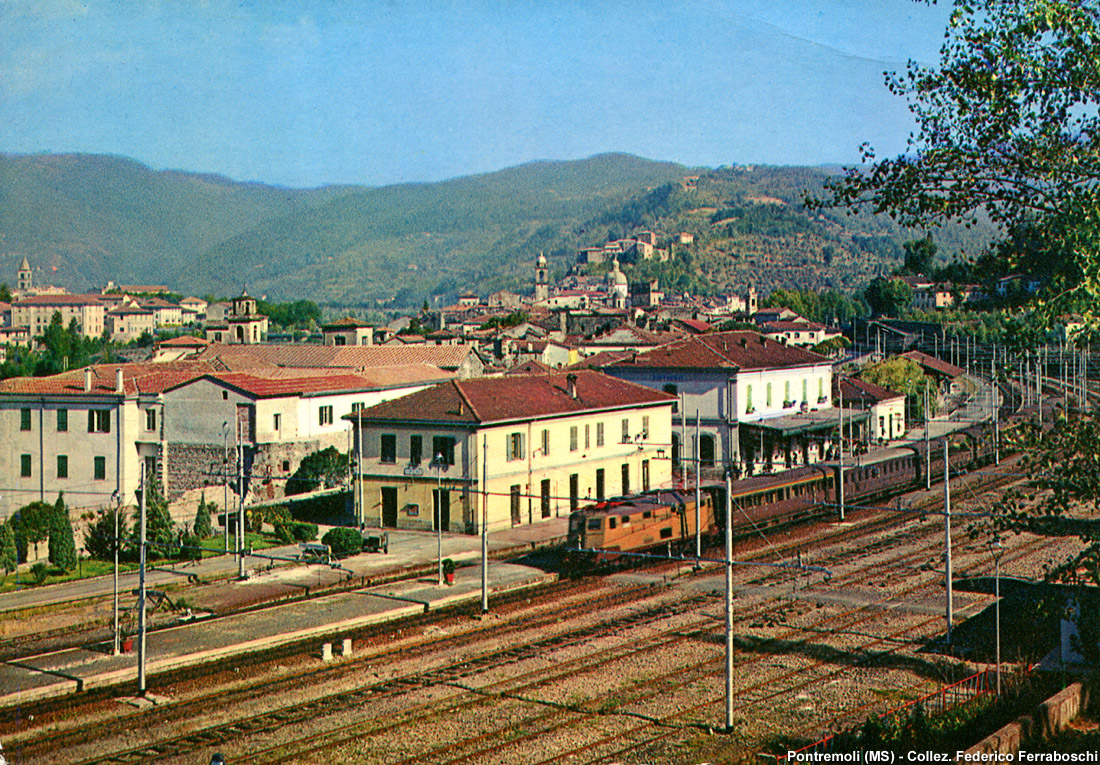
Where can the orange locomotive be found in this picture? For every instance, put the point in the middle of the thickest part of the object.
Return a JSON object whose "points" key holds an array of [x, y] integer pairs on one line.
{"points": [[650, 520]]}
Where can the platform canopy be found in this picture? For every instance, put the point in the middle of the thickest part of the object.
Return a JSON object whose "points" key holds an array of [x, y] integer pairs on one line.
{"points": [[807, 422]]}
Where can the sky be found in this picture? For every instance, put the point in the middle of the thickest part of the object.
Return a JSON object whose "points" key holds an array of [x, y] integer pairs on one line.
{"points": [[312, 92]]}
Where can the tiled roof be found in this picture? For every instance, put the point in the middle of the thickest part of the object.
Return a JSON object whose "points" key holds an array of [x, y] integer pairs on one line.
{"points": [[348, 322], [530, 367], [515, 397], [185, 341], [724, 350], [300, 382], [136, 378], [938, 365], [240, 357], [792, 326], [855, 389], [58, 300]]}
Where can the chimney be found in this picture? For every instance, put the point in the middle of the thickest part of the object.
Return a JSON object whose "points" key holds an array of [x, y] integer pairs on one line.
{"points": [[87, 379], [571, 384], [119, 387]]}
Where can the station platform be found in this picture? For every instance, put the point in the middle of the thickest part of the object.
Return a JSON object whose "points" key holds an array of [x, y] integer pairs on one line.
{"points": [[70, 671]]}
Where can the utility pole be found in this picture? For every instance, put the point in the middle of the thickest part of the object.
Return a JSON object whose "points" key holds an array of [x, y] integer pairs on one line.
{"points": [[947, 532], [118, 508], [927, 438], [683, 440], [840, 471], [240, 505], [225, 483], [484, 525], [142, 552], [698, 464], [996, 409], [729, 601]]}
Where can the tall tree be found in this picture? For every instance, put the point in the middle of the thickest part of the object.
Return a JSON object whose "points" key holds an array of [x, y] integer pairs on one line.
{"points": [[1007, 126], [202, 527], [888, 296], [31, 524], [159, 526], [9, 558], [920, 256], [100, 540], [62, 544]]}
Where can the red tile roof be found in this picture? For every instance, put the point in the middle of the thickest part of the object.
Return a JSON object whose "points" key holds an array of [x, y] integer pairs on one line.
{"points": [[145, 377], [185, 341], [58, 300], [937, 365], [741, 349], [298, 382], [516, 397], [240, 357], [864, 391]]}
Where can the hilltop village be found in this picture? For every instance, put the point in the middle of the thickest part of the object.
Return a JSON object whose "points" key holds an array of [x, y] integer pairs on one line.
{"points": [[580, 390]]}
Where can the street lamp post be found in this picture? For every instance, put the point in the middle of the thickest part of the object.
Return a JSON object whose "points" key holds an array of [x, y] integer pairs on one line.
{"points": [[118, 507], [996, 549], [437, 463]]}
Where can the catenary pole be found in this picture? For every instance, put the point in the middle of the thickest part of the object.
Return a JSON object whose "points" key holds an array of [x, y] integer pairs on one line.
{"points": [[484, 525], [729, 601], [698, 480], [947, 533], [142, 554], [840, 471]]}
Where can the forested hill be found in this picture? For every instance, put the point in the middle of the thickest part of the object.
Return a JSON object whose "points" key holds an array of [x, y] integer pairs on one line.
{"points": [[85, 219]]}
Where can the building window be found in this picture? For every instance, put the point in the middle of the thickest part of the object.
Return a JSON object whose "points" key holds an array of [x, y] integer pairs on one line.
{"points": [[768, 398], [324, 415], [645, 427], [99, 468], [599, 434], [416, 449], [545, 442], [24, 419], [278, 421], [748, 400], [388, 448], [645, 475], [599, 485], [626, 430], [587, 433], [573, 438], [356, 406], [672, 390], [225, 395], [515, 446], [150, 419], [25, 465], [62, 466], [706, 450], [99, 420], [444, 446], [286, 466], [676, 450], [62, 420], [574, 492], [626, 479]]}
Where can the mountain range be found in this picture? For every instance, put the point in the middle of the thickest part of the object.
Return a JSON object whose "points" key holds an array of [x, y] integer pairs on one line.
{"points": [[83, 219]]}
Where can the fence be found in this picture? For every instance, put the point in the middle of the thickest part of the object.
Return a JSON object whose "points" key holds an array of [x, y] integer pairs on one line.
{"points": [[948, 697]]}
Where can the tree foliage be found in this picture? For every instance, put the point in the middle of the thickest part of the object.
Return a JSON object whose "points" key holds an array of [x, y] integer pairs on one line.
{"points": [[1007, 128], [100, 540], [159, 527], [920, 256], [9, 558], [905, 376], [62, 545], [827, 306], [322, 469], [31, 524], [888, 297], [343, 541], [203, 527]]}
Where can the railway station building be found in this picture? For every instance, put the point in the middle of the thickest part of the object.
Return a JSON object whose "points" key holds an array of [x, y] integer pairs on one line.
{"points": [[761, 405], [88, 432], [513, 450]]}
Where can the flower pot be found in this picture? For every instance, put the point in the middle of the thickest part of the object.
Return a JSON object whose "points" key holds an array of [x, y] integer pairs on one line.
{"points": [[128, 645]]}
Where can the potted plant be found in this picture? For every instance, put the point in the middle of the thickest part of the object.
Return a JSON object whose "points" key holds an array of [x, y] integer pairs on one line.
{"points": [[449, 570], [127, 641]]}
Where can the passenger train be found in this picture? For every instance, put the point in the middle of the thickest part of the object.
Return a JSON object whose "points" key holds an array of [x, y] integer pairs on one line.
{"points": [[658, 519]]}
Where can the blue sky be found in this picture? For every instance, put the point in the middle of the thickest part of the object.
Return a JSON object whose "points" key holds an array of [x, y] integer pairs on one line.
{"points": [[313, 92]]}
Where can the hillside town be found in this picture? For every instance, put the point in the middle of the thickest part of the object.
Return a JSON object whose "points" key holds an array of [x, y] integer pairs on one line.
{"points": [[577, 391]]}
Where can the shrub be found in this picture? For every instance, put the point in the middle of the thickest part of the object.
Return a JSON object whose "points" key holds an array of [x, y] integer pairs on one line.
{"points": [[304, 532], [40, 571], [343, 542]]}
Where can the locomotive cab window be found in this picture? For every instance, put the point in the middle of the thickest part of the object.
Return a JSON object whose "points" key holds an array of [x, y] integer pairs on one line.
{"points": [[594, 524], [666, 532], [626, 520], [611, 522], [647, 514]]}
